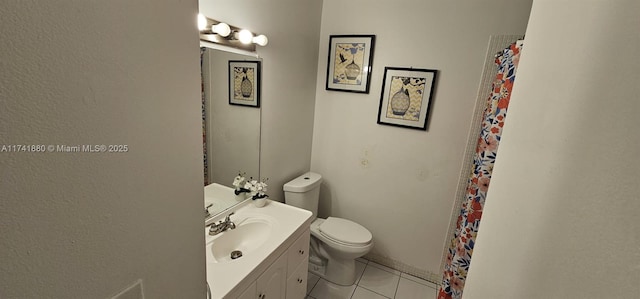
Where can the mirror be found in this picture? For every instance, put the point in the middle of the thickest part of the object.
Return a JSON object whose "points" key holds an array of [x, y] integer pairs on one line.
{"points": [[232, 132]]}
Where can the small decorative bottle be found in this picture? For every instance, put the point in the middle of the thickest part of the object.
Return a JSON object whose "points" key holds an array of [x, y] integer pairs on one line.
{"points": [[240, 196], [260, 200]]}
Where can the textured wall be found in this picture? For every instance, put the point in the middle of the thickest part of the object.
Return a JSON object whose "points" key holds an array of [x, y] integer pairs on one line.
{"points": [[561, 218], [397, 182], [86, 225]]}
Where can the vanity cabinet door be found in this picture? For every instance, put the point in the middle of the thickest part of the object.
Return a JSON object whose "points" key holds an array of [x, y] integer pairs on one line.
{"points": [[249, 293], [298, 252], [272, 283], [297, 282]]}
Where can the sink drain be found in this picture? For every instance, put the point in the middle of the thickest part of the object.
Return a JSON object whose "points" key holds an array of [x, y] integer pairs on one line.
{"points": [[236, 254]]}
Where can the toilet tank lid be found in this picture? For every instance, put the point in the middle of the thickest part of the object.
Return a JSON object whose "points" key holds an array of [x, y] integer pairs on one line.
{"points": [[303, 183]]}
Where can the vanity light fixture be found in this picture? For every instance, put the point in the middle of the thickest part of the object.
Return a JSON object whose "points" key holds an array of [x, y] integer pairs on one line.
{"points": [[202, 22], [261, 40], [209, 26], [228, 35], [244, 36], [222, 29]]}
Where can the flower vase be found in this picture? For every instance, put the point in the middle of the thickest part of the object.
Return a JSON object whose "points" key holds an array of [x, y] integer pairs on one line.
{"points": [[241, 196], [260, 202]]}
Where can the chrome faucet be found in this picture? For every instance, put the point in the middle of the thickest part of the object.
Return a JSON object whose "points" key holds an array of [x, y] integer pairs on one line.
{"points": [[222, 226]]}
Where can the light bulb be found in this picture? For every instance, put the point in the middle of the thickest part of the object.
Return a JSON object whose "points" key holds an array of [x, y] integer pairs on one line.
{"points": [[261, 40], [221, 29], [245, 36], [202, 22]]}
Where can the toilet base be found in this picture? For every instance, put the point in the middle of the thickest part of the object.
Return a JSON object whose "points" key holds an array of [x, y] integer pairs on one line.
{"points": [[333, 261], [317, 269], [340, 272], [316, 265]]}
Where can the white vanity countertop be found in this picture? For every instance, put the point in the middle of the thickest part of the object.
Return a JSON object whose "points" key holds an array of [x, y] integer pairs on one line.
{"points": [[287, 224], [220, 197]]}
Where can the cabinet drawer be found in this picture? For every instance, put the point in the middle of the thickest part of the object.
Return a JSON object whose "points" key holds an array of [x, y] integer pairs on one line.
{"points": [[297, 282], [298, 252]]}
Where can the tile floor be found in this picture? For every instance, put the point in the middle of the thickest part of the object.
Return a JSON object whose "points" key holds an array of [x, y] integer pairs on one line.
{"points": [[374, 281]]}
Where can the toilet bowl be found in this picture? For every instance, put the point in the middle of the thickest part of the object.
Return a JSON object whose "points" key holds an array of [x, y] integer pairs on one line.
{"points": [[335, 242], [339, 248]]}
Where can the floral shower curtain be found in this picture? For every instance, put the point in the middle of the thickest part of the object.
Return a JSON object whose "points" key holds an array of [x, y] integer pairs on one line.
{"points": [[461, 248]]}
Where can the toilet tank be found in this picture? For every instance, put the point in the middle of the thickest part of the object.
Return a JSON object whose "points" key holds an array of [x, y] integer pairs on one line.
{"points": [[303, 192]]}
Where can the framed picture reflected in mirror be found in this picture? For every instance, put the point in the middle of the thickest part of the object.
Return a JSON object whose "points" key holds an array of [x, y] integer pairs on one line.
{"points": [[244, 83]]}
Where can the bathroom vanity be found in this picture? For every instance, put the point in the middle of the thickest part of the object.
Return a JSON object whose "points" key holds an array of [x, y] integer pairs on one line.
{"points": [[272, 243]]}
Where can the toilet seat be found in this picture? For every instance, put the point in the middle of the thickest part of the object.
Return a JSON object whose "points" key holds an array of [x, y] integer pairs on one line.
{"points": [[345, 232]]}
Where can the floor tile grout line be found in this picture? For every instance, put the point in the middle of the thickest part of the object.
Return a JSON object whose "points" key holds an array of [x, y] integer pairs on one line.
{"points": [[366, 265], [314, 285], [386, 269], [365, 270], [391, 270], [376, 292], [362, 274], [353, 292], [428, 283], [397, 287]]}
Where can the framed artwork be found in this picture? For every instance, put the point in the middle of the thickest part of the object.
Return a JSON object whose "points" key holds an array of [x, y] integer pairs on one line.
{"points": [[244, 83], [406, 95], [349, 63]]}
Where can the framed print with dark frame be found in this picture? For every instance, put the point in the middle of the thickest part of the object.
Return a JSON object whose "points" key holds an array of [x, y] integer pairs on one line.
{"points": [[406, 95], [244, 83], [349, 63]]}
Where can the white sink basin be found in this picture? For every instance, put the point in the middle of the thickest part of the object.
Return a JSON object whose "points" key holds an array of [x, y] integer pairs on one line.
{"points": [[262, 234], [248, 235]]}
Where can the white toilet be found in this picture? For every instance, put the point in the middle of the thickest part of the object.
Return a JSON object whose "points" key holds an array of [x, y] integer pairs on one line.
{"points": [[335, 242]]}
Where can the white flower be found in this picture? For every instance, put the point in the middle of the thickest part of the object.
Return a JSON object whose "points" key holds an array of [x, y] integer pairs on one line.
{"points": [[251, 186], [238, 181], [256, 188], [261, 187]]}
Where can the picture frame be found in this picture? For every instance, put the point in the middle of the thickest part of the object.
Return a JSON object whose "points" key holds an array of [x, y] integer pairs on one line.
{"points": [[350, 62], [406, 97], [244, 83]]}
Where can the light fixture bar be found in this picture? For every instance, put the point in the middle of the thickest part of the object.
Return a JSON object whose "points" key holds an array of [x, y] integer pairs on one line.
{"points": [[217, 39], [214, 32], [215, 46]]}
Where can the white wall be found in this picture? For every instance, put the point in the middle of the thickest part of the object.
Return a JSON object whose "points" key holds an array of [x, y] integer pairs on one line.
{"points": [[397, 182], [288, 79], [86, 225], [561, 218]]}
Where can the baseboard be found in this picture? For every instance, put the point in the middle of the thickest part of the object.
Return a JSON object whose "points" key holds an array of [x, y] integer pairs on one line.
{"points": [[402, 267]]}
